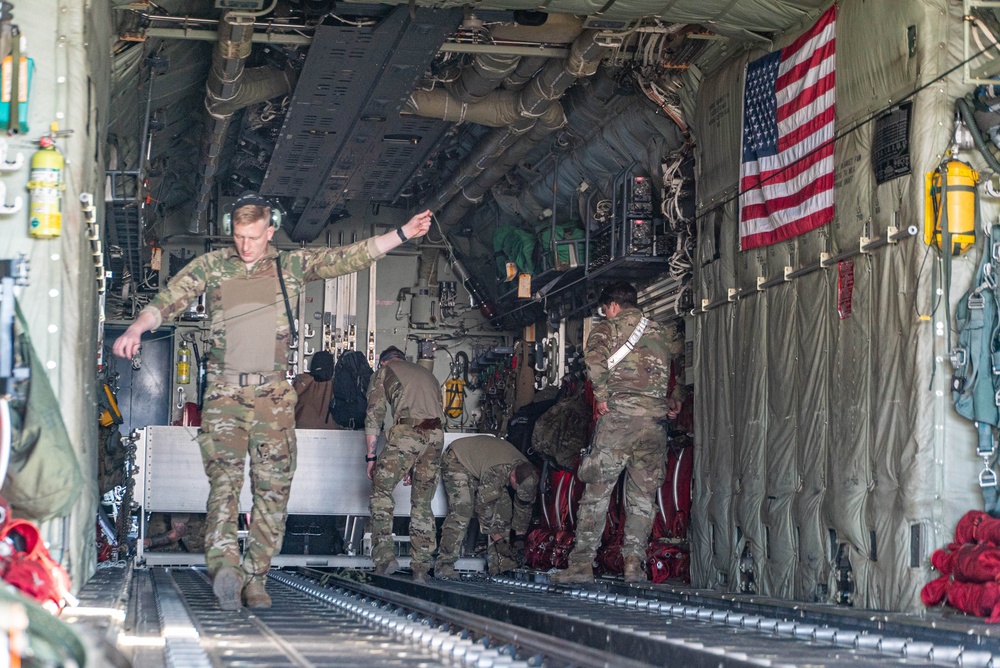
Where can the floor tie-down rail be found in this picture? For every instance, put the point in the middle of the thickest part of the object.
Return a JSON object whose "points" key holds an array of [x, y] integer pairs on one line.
{"points": [[326, 619], [654, 626]]}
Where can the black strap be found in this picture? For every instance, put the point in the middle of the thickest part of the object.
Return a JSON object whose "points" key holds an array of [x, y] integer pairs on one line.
{"points": [[284, 293]]}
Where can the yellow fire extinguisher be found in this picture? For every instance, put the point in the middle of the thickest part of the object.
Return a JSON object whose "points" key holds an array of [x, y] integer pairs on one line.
{"points": [[45, 187], [951, 197], [183, 364]]}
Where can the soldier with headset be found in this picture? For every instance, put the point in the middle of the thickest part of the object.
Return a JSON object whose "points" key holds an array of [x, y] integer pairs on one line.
{"points": [[628, 360], [249, 405]]}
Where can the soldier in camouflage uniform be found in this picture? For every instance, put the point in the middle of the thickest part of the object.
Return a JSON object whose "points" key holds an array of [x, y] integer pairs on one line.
{"points": [[249, 404], [477, 470], [632, 403], [412, 451]]}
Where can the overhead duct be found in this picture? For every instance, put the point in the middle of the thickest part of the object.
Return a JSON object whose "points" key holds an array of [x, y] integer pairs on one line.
{"points": [[231, 87], [228, 58], [483, 76], [532, 103], [473, 193], [496, 110], [256, 85], [525, 71], [488, 70]]}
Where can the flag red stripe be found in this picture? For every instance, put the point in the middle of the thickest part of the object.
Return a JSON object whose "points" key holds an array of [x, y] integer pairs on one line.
{"points": [[794, 229], [803, 132], [785, 173], [828, 17], [798, 71], [808, 96], [821, 184]]}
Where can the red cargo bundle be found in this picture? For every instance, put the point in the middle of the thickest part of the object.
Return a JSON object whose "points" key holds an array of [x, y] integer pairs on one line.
{"points": [[546, 549], [970, 568], [673, 499], [665, 561], [560, 500], [26, 564]]}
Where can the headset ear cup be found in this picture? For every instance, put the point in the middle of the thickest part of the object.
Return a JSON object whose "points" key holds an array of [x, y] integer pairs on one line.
{"points": [[276, 217]]}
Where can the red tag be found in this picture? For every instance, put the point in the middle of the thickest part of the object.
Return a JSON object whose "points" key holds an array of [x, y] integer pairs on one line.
{"points": [[845, 288]]}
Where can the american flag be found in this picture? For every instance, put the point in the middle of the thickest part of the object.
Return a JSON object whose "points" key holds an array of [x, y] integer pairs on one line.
{"points": [[786, 172]]}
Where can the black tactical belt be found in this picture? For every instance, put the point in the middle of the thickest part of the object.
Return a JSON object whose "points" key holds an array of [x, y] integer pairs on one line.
{"points": [[421, 423]]}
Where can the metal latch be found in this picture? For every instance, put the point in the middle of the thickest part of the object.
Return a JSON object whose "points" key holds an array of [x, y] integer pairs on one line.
{"points": [[959, 357]]}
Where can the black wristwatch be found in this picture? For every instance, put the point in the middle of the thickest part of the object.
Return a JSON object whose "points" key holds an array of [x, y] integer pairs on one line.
{"points": [[399, 231], [370, 458]]}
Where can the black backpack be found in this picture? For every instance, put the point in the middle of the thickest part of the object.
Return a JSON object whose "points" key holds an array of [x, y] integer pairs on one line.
{"points": [[350, 389]]}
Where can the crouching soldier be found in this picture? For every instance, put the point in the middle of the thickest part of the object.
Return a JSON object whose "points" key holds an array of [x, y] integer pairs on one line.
{"points": [[477, 471]]}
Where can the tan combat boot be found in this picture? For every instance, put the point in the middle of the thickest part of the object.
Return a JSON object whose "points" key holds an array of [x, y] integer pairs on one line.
{"points": [[420, 575], [387, 567], [227, 585], [255, 595], [634, 572], [445, 572], [574, 574]]}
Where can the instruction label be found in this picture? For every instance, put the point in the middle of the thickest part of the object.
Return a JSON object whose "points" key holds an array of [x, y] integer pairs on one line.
{"points": [[891, 143]]}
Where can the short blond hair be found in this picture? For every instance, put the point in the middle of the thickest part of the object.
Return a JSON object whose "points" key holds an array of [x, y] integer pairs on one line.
{"points": [[251, 213]]}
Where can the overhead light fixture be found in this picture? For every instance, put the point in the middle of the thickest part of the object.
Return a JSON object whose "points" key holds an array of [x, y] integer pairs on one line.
{"points": [[402, 139]]}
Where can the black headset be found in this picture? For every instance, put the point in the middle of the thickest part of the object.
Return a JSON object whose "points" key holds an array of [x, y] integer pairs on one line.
{"points": [[252, 199]]}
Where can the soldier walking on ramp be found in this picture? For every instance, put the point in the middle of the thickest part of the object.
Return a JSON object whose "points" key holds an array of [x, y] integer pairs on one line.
{"points": [[628, 359], [413, 446], [477, 471], [249, 404]]}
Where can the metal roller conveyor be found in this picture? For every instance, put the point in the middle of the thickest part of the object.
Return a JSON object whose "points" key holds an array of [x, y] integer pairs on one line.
{"points": [[351, 618]]}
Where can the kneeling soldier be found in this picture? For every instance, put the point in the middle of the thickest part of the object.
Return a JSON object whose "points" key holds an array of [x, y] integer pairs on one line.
{"points": [[477, 471]]}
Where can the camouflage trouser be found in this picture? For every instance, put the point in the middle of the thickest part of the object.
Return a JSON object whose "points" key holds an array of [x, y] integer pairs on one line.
{"points": [[261, 421], [406, 448], [638, 445], [488, 499]]}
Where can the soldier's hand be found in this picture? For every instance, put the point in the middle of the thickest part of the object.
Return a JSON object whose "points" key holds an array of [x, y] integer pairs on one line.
{"points": [[673, 408], [418, 226], [371, 470], [127, 345]]}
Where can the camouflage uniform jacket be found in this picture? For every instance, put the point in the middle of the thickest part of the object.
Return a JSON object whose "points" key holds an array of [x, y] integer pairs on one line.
{"points": [[489, 461], [208, 274], [409, 389], [638, 384]]}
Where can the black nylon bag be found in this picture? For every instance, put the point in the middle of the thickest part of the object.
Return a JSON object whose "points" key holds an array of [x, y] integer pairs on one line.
{"points": [[350, 389]]}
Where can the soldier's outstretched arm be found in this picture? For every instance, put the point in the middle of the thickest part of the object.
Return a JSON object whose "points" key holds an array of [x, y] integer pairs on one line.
{"points": [[417, 226]]}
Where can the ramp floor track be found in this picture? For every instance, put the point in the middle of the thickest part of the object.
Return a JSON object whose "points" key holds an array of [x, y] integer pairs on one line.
{"points": [[326, 619]]}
